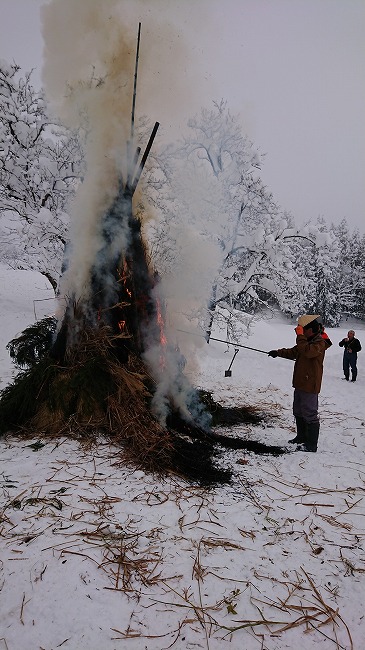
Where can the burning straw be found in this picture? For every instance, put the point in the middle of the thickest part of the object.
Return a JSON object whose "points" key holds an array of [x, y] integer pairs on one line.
{"points": [[109, 369]]}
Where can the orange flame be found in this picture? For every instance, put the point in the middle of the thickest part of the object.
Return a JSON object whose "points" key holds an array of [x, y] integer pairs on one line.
{"points": [[161, 324], [163, 339], [124, 276], [121, 325]]}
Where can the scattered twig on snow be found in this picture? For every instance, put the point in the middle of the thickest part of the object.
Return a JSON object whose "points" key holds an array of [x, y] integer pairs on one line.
{"points": [[333, 522], [133, 634], [198, 573], [351, 569], [304, 598], [24, 602]]}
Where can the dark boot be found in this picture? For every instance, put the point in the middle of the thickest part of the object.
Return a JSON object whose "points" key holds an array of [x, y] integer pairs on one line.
{"points": [[312, 436], [301, 431]]}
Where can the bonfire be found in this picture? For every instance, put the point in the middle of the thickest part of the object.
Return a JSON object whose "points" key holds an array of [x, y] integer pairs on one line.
{"points": [[92, 371]]}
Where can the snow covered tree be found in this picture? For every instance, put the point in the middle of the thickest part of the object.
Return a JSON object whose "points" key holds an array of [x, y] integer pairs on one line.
{"points": [[351, 269], [327, 276], [297, 291], [215, 187], [359, 272], [40, 166]]}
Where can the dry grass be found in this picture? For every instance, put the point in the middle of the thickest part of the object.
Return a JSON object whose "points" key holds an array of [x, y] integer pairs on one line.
{"points": [[133, 561], [112, 400]]}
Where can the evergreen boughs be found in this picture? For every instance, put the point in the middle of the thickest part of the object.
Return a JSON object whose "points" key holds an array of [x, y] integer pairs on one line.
{"points": [[47, 394], [33, 344], [20, 400]]}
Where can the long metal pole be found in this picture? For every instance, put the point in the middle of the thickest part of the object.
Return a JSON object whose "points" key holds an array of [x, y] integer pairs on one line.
{"points": [[236, 345]]}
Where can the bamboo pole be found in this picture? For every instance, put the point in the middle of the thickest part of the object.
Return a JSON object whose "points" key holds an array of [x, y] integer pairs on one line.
{"points": [[144, 157], [135, 82]]}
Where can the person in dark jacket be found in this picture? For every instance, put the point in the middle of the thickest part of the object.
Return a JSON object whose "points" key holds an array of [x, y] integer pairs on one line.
{"points": [[308, 354], [351, 347]]}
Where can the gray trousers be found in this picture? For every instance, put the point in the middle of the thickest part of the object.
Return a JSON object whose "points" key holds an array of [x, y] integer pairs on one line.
{"points": [[305, 405]]}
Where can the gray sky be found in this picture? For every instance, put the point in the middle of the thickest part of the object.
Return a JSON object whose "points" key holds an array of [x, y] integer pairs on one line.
{"points": [[293, 70]]}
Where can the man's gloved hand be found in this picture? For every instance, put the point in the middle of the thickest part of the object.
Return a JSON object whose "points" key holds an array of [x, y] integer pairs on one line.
{"points": [[273, 353], [299, 330]]}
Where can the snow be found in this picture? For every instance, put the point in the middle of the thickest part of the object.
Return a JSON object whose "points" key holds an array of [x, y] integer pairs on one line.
{"points": [[98, 555]]}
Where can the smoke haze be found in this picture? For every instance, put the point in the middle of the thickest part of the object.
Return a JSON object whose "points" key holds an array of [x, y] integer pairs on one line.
{"points": [[89, 59], [87, 67]]}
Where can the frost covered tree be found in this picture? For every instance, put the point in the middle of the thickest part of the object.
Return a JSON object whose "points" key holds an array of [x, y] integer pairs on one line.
{"points": [[351, 277], [328, 272], [359, 272], [215, 186], [327, 276], [317, 286], [40, 166]]}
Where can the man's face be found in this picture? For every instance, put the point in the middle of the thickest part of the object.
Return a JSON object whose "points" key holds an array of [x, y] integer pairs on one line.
{"points": [[350, 335], [308, 332]]}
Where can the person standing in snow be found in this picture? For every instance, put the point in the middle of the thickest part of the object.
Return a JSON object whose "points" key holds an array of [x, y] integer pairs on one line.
{"points": [[352, 347], [308, 354]]}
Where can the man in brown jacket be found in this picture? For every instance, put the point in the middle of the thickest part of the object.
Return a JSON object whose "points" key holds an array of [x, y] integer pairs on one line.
{"points": [[308, 354]]}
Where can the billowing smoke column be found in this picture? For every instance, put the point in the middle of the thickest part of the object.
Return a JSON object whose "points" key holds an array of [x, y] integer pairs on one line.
{"points": [[88, 74]]}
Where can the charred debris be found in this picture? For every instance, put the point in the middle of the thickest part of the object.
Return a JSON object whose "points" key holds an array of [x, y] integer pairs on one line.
{"points": [[86, 376]]}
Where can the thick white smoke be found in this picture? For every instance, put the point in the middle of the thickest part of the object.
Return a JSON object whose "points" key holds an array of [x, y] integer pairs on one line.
{"points": [[185, 291], [89, 58], [88, 75]]}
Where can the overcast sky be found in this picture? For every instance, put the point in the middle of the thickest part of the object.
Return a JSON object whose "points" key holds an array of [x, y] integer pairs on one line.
{"points": [[292, 69]]}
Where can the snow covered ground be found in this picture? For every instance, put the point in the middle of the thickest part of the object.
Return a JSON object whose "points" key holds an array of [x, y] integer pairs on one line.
{"points": [[96, 555]]}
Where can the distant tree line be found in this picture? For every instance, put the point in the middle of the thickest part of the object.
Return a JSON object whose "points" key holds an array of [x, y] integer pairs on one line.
{"points": [[208, 181]]}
